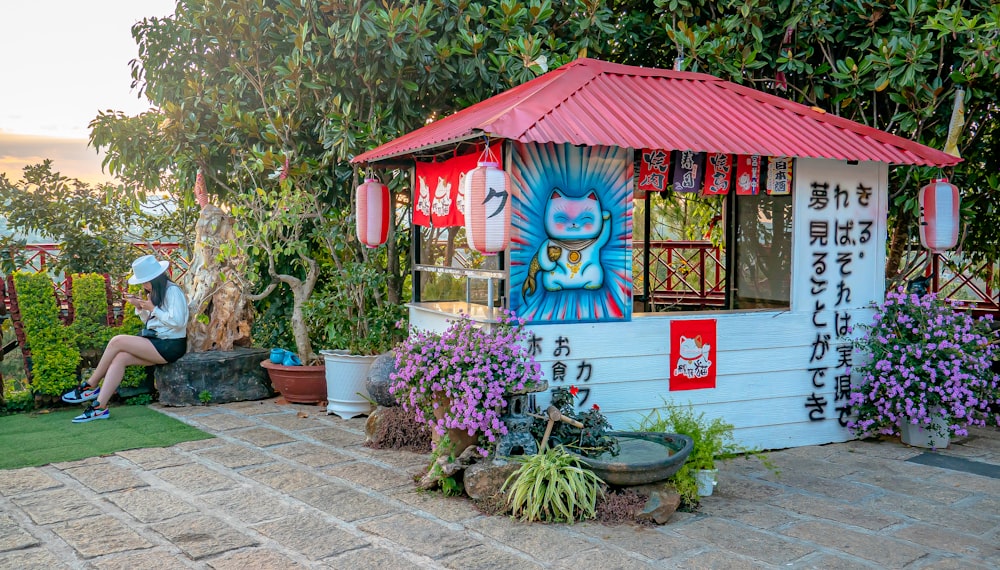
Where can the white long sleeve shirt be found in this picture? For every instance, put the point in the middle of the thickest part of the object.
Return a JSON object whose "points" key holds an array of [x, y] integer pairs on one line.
{"points": [[169, 321]]}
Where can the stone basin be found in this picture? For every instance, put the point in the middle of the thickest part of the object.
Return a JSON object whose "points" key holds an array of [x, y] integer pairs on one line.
{"points": [[645, 457]]}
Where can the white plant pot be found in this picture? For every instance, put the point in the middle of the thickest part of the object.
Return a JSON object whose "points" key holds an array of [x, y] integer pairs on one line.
{"points": [[706, 479], [917, 436], [346, 394]]}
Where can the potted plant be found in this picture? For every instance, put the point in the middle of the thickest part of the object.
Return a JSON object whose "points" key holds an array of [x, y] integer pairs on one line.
{"points": [[456, 381], [713, 439], [926, 374], [297, 238], [351, 312]]}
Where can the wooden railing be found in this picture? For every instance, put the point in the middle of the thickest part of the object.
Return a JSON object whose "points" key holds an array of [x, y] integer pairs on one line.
{"points": [[39, 256], [682, 274], [957, 279]]}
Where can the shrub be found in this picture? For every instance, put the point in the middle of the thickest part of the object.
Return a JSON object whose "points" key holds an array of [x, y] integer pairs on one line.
{"points": [[471, 366], [54, 357], [924, 357], [552, 486]]}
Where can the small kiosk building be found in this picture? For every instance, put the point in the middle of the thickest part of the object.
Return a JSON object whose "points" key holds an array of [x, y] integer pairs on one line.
{"points": [[799, 227]]}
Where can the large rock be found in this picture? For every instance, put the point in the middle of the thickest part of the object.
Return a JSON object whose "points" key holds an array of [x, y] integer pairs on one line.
{"points": [[484, 479], [378, 381], [661, 502], [227, 376]]}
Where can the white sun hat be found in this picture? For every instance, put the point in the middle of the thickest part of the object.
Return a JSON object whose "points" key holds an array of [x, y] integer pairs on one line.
{"points": [[146, 268]]}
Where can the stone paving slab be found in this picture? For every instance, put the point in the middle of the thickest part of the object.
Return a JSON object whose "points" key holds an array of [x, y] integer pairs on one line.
{"points": [[286, 486]]}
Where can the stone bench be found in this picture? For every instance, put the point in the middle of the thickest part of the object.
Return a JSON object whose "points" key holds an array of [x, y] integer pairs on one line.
{"points": [[227, 376]]}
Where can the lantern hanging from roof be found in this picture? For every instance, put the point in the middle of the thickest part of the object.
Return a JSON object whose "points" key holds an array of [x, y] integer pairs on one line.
{"points": [[373, 212], [487, 191], [939, 205]]}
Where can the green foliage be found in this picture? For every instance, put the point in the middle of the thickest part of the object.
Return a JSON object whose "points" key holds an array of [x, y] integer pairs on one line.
{"points": [[94, 233], [892, 66], [713, 439], [54, 357], [552, 486], [16, 401], [350, 313], [140, 400], [205, 397]]}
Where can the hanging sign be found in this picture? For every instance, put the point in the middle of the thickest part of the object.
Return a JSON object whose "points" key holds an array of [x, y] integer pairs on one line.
{"points": [[779, 175], [692, 354], [689, 171], [653, 169], [748, 175], [718, 173]]}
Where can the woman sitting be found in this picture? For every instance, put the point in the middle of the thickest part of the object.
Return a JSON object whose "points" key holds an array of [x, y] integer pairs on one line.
{"points": [[163, 340]]}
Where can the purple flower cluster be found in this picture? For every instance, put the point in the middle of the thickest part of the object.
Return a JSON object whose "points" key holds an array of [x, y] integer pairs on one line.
{"points": [[924, 358], [466, 372]]}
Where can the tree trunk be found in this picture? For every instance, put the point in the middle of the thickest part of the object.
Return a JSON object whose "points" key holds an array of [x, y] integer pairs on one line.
{"points": [[897, 244], [220, 315]]}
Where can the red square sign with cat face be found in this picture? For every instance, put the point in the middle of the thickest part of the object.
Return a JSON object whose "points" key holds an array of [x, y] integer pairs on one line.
{"points": [[692, 354]]}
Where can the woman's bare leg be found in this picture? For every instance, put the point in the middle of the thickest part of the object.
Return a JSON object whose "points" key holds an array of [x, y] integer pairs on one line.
{"points": [[122, 351]]}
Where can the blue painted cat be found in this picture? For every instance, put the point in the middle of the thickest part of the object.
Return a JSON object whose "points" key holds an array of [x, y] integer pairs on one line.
{"points": [[577, 229]]}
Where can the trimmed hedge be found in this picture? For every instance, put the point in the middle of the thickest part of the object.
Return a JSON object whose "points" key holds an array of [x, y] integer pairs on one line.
{"points": [[54, 356]]}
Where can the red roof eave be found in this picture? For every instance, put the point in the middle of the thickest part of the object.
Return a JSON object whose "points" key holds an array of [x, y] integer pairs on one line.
{"points": [[594, 103]]}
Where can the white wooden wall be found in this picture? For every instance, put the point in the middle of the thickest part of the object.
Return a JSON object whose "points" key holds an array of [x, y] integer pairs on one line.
{"points": [[763, 357]]}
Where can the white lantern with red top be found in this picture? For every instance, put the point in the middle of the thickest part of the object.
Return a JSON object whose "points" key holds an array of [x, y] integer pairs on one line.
{"points": [[373, 212], [487, 191], [939, 214]]}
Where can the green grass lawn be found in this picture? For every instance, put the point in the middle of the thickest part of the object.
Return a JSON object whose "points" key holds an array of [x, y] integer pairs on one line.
{"points": [[33, 439]]}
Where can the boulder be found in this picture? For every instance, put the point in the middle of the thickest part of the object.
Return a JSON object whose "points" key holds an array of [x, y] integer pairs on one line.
{"points": [[661, 503], [484, 479], [378, 381], [227, 376]]}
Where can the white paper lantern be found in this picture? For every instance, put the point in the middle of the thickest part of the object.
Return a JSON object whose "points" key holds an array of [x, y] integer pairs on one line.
{"points": [[373, 212], [939, 215], [487, 208]]}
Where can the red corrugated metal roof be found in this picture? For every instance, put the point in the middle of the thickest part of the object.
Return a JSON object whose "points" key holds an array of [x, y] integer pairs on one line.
{"points": [[593, 102]]}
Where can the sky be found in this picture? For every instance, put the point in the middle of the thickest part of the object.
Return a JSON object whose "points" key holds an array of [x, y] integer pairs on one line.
{"points": [[61, 62]]}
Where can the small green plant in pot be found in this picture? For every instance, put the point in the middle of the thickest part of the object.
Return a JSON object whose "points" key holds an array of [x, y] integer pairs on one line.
{"points": [[713, 439], [552, 486]]}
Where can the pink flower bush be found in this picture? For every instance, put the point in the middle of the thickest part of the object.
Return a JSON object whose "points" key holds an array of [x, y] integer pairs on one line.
{"points": [[926, 357], [472, 365]]}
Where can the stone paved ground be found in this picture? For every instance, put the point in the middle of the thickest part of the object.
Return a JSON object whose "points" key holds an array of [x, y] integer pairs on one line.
{"points": [[290, 487]]}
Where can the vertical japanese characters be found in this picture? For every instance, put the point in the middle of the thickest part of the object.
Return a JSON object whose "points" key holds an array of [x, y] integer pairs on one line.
{"points": [[841, 222]]}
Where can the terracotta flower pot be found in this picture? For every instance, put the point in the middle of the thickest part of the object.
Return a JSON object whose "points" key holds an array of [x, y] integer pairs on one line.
{"points": [[459, 437], [298, 384]]}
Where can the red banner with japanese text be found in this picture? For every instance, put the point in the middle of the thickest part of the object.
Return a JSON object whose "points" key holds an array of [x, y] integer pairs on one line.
{"points": [[692, 354], [653, 169], [748, 174], [718, 174], [439, 200]]}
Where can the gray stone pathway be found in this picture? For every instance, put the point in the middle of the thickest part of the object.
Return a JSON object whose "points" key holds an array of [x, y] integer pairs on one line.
{"points": [[290, 487]]}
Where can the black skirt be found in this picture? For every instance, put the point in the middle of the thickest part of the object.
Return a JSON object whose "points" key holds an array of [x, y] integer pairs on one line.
{"points": [[169, 348]]}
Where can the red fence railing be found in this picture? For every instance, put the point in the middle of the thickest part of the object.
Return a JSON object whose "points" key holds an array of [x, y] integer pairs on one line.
{"points": [[681, 274]]}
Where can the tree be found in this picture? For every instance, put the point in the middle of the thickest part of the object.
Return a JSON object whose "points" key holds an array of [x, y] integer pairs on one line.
{"points": [[895, 66], [271, 99], [94, 234]]}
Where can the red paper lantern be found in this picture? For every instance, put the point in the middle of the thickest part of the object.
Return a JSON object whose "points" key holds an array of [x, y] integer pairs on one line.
{"points": [[373, 212], [487, 207], [939, 206]]}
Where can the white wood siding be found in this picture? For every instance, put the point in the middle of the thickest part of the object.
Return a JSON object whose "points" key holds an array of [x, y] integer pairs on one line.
{"points": [[763, 380]]}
